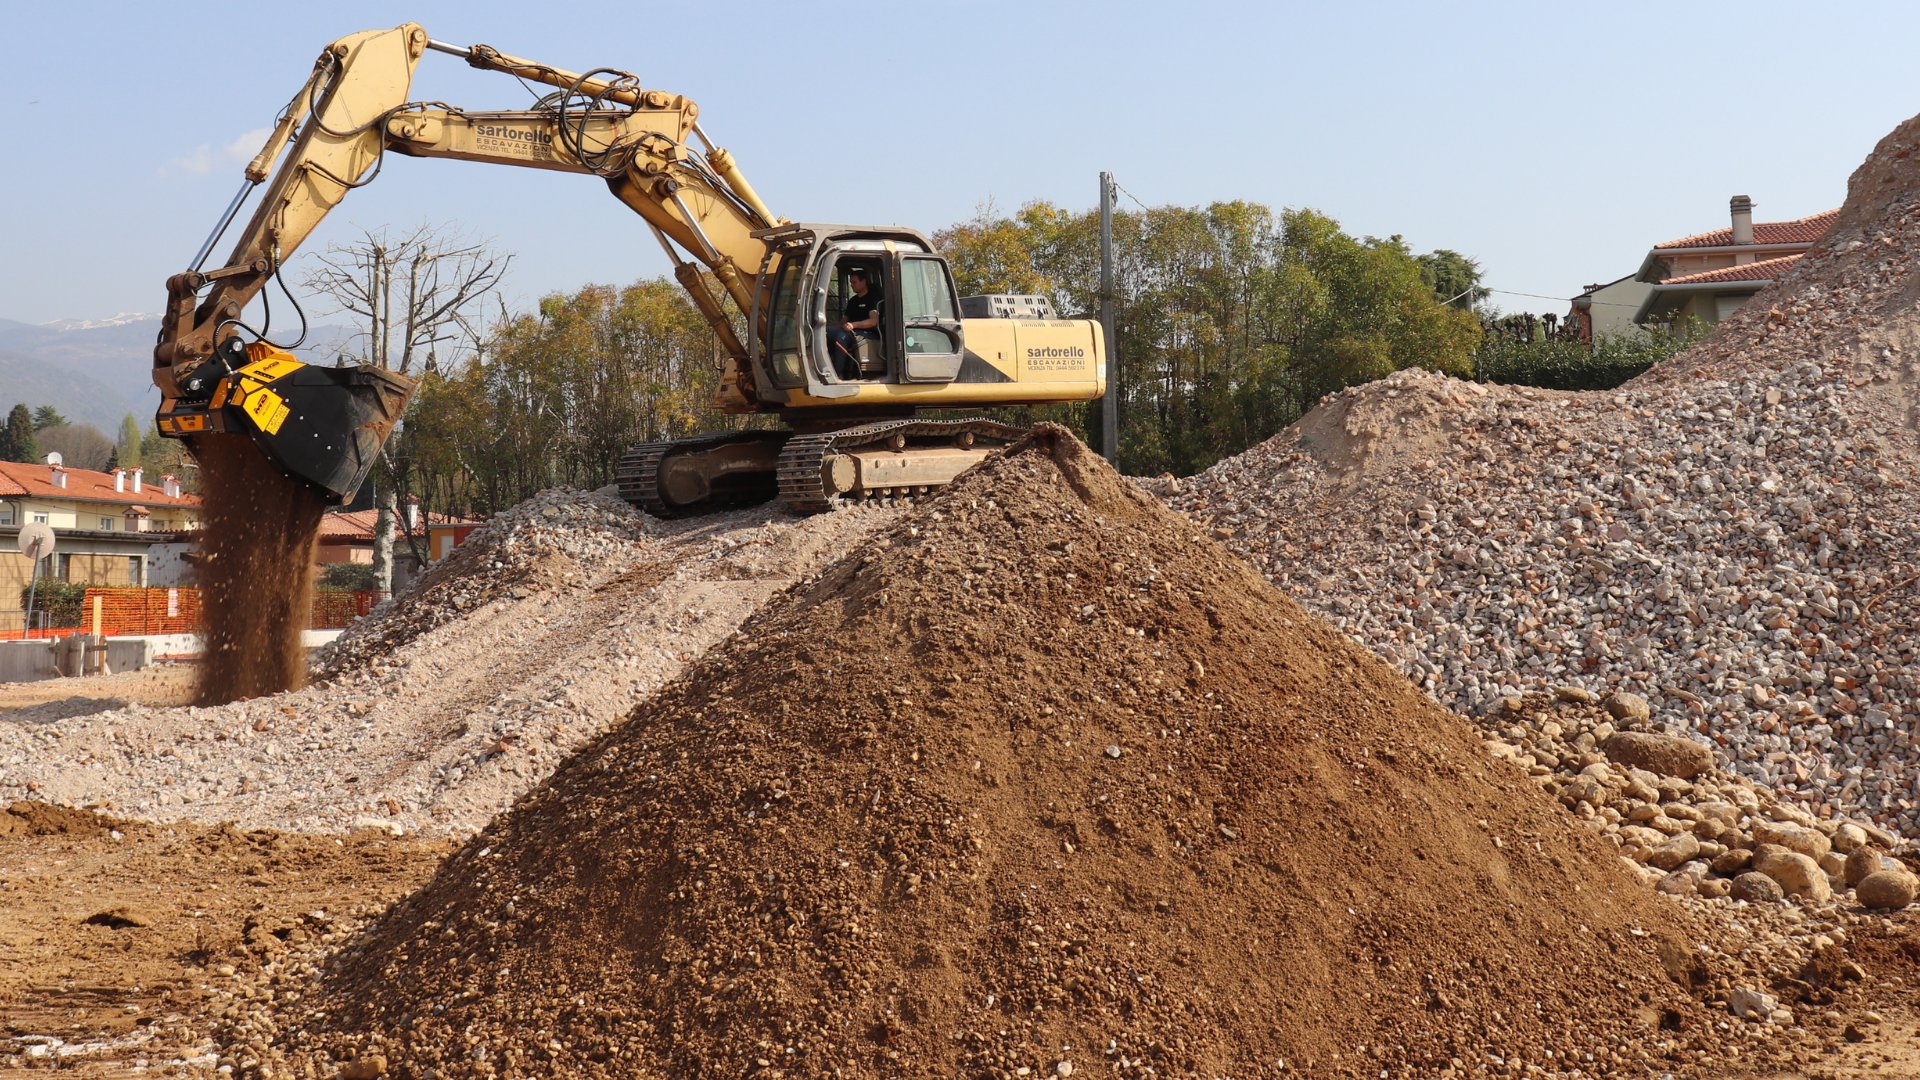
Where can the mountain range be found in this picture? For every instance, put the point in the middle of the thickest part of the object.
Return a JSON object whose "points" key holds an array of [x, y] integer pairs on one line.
{"points": [[96, 371]]}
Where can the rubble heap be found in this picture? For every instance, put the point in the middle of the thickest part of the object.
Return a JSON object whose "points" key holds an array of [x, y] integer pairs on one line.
{"points": [[1729, 536]]}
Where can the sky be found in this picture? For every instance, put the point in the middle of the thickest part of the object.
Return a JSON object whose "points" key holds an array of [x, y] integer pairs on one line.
{"points": [[1553, 143]]}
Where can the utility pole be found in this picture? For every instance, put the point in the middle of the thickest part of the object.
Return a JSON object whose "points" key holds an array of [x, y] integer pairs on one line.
{"points": [[1109, 402]]}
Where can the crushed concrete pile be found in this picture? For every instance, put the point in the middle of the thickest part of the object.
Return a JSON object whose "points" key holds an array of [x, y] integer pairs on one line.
{"points": [[1036, 782], [435, 712], [1730, 536]]}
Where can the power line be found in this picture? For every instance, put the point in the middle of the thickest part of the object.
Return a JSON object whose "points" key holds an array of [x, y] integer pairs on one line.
{"points": [[1562, 299]]}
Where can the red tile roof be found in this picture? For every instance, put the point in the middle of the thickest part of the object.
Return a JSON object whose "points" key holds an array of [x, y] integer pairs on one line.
{"points": [[1806, 230], [18, 480], [356, 526], [1765, 270]]}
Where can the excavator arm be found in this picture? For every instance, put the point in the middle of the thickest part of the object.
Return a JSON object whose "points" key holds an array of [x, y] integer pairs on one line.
{"points": [[326, 424]]}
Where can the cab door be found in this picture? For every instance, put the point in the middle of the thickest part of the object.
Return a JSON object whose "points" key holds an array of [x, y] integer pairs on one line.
{"points": [[931, 336]]}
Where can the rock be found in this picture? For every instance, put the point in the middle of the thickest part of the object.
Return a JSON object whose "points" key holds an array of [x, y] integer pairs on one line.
{"points": [[1732, 861], [1889, 890], [1848, 838], [1715, 887], [1667, 755], [1865, 860], [1796, 874], [366, 1068], [1755, 888], [1578, 695], [119, 918], [1833, 864], [1751, 1004], [1809, 842], [1064, 1068], [1682, 848], [1678, 883], [1628, 708]]}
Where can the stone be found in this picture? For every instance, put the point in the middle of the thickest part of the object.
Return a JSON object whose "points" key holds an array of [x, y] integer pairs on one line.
{"points": [[1732, 861], [1576, 694], [1848, 838], [365, 1068], [1064, 1068], [1666, 755], [1863, 861], [1756, 888], [1627, 708], [1809, 842], [1796, 874], [1751, 1004], [1678, 883], [1889, 890], [119, 918], [1834, 865], [1681, 848], [1712, 888]]}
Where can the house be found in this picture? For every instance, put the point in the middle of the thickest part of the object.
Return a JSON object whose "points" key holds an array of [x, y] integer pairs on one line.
{"points": [[1609, 308], [1708, 276], [105, 525], [348, 536]]}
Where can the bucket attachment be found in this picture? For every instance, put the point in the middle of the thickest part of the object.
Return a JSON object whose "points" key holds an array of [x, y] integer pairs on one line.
{"points": [[319, 426]]}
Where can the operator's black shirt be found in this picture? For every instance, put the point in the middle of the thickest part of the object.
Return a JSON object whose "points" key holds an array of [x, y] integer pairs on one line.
{"points": [[859, 307]]}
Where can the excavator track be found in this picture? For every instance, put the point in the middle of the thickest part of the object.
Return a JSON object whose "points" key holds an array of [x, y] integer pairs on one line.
{"points": [[803, 485], [639, 472]]}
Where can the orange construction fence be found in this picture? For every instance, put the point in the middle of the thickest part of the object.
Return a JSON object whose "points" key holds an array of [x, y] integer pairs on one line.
{"points": [[177, 611]]}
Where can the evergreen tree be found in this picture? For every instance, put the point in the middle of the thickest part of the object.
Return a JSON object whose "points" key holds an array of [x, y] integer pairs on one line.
{"points": [[17, 441], [127, 445], [47, 416]]}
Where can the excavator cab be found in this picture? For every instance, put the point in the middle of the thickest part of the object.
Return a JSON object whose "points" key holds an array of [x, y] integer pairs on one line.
{"points": [[804, 291]]}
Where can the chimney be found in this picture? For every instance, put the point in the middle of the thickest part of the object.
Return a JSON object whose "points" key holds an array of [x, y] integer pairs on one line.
{"points": [[59, 477], [170, 485], [1742, 208], [136, 481], [119, 479]]}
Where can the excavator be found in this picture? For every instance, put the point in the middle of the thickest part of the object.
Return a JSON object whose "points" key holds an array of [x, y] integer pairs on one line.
{"points": [[770, 288]]}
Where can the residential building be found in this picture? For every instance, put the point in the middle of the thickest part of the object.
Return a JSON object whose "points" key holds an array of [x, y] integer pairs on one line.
{"points": [[1708, 276], [104, 525]]}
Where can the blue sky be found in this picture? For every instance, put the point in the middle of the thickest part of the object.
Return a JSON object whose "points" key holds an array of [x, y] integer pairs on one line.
{"points": [[1553, 142]]}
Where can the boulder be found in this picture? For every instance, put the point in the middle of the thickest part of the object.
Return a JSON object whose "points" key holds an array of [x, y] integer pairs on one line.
{"points": [[1848, 838], [1712, 887], [1732, 861], [1628, 708], [1679, 883], [1889, 890], [1796, 874], [1666, 755], [1809, 842], [1755, 889], [1668, 856], [1864, 860]]}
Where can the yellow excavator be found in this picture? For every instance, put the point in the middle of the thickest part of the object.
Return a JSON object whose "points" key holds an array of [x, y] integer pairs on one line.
{"points": [[854, 430]]}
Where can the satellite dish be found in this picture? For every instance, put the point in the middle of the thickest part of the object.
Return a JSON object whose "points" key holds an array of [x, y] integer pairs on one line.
{"points": [[36, 540], [54, 459]]}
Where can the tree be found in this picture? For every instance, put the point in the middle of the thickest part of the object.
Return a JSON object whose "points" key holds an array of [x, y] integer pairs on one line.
{"points": [[1454, 278], [1231, 321], [17, 441], [45, 417], [126, 448], [80, 446], [435, 276]]}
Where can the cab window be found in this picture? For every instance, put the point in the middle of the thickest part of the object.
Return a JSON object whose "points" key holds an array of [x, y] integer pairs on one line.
{"points": [[784, 332]]}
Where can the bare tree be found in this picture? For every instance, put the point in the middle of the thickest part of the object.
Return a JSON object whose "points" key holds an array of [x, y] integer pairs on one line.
{"points": [[412, 293]]}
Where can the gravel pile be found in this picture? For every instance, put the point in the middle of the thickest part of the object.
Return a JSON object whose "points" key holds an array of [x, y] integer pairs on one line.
{"points": [[1729, 536], [1041, 784], [437, 710]]}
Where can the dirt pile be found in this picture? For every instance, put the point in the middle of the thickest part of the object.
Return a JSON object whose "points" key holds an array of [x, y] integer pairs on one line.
{"points": [[1037, 775], [435, 713], [1729, 536], [256, 572]]}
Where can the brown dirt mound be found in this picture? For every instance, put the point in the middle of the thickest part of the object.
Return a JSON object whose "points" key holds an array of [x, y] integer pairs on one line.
{"points": [[256, 574], [1036, 776]]}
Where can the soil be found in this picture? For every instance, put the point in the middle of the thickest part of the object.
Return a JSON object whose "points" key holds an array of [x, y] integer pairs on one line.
{"points": [[121, 942], [256, 572], [1036, 776]]}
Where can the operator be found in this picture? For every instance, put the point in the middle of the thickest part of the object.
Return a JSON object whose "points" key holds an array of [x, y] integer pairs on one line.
{"points": [[861, 319]]}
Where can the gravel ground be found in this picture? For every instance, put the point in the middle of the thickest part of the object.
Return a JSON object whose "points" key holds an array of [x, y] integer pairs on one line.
{"points": [[1730, 535], [436, 711]]}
